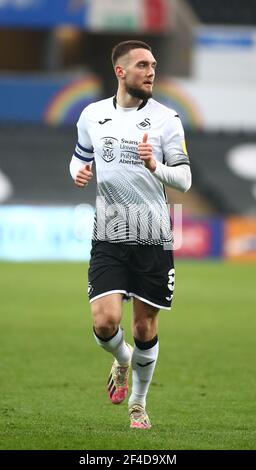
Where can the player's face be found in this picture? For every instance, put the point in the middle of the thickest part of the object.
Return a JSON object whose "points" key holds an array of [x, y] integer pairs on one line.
{"points": [[140, 73]]}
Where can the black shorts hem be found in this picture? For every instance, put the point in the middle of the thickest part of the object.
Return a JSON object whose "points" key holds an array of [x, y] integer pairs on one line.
{"points": [[129, 295], [150, 302], [108, 292]]}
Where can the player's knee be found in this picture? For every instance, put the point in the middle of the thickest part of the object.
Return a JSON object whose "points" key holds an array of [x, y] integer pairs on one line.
{"points": [[144, 330], [105, 331], [105, 323]]}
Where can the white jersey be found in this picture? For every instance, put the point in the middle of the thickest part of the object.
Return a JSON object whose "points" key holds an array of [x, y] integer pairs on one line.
{"points": [[131, 205]]}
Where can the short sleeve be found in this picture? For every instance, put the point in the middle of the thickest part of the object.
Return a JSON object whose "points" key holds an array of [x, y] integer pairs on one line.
{"points": [[84, 148], [173, 141]]}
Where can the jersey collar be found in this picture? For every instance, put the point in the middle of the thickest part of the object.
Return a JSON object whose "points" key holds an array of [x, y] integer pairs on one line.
{"points": [[144, 102]]}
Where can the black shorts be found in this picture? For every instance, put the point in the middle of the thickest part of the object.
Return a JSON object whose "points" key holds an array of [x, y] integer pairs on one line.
{"points": [[141, 271]]}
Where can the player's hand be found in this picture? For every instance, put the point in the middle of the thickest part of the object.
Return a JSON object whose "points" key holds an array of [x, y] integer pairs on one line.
{"points": [[84, 176], [146, 153]]}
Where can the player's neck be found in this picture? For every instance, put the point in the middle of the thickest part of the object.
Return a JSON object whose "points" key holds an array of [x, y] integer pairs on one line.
{"points": [[125, 100]]}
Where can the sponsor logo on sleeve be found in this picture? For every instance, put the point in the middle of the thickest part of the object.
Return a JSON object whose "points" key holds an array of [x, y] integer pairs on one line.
{"points": [[184, 148]]}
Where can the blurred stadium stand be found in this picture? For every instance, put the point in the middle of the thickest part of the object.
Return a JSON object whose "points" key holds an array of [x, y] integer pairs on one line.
{"points": [[232, 12], [224, 170], [38, 165]]}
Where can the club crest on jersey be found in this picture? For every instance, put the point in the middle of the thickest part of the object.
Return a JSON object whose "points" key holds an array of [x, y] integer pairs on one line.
{"points": [[144, 125], [109, 148]]}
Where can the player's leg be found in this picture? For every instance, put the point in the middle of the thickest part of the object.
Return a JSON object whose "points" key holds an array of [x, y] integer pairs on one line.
{"points": [[106, 317], [144, 360], [152, 288], [106, 314], [107, 285]]}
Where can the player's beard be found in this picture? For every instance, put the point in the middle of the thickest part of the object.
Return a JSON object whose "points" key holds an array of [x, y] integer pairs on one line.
{"points": [[138, 92]]}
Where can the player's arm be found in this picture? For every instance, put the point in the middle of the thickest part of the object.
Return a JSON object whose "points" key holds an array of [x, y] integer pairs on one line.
{"points": [[80, 173], [81, 162], [177, 175]]}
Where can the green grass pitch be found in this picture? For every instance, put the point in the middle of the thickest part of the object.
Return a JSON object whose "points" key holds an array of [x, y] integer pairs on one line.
{"points": [[53, 374]]}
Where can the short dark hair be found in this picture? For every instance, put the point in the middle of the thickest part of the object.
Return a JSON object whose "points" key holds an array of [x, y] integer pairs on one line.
{"points": [[123, 47]]}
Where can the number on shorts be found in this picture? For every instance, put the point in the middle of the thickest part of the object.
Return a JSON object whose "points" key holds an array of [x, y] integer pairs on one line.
{"points": [[171, 279]]}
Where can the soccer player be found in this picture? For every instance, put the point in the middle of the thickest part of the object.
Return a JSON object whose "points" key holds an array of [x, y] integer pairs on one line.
{"points": [[138, 147]]}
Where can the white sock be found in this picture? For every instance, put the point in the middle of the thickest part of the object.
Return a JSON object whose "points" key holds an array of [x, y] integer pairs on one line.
{"points": [[143, 365], [117, 346]]}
